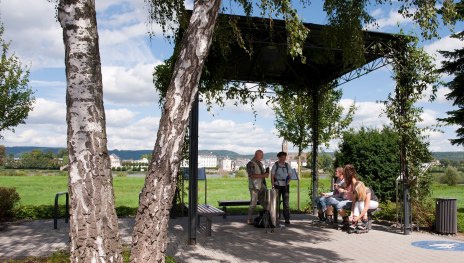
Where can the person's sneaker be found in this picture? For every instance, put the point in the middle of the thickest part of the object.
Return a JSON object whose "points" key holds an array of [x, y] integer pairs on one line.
{"points": [[287, 222]]}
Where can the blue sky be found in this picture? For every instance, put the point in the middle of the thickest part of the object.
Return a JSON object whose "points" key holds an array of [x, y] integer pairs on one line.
{"points": [[131, 103]]}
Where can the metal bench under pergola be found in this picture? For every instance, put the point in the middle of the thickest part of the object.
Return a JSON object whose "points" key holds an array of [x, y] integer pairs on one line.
{"points": [[270, 63]]}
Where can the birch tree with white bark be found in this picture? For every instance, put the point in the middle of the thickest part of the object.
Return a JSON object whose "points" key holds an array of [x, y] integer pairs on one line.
{"points": [[150, 230], [94, 230]]}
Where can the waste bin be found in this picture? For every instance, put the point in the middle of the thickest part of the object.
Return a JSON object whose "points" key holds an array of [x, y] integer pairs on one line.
{"points": [[446, 216]]}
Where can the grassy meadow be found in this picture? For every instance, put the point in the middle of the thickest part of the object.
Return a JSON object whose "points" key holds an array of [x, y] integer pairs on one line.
{"points": [[41, 190]]}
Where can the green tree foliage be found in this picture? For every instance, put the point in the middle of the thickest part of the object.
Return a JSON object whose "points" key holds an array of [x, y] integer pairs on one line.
{"points": [[2, 155], [374, 154], [35, 159], [414, 73], [325, 162], [16, 97], [454, 65], [294, 116], [450, 176]]}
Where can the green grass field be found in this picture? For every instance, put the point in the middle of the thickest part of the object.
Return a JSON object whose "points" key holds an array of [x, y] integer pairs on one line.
{"points": [[41, 190]]}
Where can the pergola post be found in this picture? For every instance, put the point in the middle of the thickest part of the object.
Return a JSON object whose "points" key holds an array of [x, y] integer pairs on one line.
{"points": [[404, 171], [193, 173], [315, 143]]}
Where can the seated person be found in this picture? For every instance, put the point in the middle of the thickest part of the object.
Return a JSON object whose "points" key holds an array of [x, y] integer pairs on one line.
{"points": [[326, 201], [363, 200], [350, 180]]}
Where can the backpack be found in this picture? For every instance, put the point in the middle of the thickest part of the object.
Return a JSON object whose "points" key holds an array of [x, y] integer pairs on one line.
{"points": [[277, 166], [263, 220]]}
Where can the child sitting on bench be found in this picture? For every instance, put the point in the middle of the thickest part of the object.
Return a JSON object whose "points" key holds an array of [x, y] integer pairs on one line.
{"points": [[364, 199]]}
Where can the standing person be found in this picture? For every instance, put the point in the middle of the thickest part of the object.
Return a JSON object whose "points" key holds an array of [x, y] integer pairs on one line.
{"points": [[280, 177], [256, 183]]}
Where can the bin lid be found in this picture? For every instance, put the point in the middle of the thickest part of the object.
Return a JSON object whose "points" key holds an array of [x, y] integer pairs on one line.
{"points": [[445, 198]]}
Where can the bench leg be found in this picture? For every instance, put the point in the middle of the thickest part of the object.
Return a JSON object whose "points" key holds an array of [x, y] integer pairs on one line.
{"points": [[224, 208], [208, 226], [335, 215]]}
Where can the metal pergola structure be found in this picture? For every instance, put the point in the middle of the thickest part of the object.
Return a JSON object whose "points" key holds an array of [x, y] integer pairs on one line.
{"points": [[270, 63]]}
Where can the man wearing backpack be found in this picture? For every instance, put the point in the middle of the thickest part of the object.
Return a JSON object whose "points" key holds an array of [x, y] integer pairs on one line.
{"points": [[256, 183], [280, 177]]}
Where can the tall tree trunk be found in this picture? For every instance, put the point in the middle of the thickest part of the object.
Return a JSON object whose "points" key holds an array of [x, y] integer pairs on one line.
{"points": [[93, 223], [150, 230]]}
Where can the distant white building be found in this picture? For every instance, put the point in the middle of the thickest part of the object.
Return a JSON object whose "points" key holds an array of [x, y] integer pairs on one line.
{"points": [[142, 161], [115, 161], [208, 161], [294, 164], [227, 165]]}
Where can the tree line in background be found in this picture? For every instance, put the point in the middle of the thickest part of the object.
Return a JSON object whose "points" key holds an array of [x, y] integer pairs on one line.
{"points": [[35, 159]]}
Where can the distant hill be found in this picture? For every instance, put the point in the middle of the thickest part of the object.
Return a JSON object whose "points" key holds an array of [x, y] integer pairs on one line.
{"points": [[123, 154], [136, 154], [18, 150], [453, 156]]}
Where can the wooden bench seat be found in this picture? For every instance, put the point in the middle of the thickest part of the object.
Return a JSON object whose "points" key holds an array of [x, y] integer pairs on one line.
{"points": [[226, 203], [208, 211]]}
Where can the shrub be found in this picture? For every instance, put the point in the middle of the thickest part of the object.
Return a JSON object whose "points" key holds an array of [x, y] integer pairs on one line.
{"points": [[122, 174], [306, 174], [450, 177], [461, 222], [8, 200], [241, 174], [387, 211], [423, 212], [13, 172], [38, 212], [126, 211]]}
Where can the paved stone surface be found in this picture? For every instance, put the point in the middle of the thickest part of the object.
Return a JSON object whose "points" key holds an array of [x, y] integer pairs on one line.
{"points": [[234, 241]]}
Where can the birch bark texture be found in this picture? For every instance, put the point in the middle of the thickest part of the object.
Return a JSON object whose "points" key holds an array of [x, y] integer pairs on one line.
{"points": [[94, 230], [150, 231]]}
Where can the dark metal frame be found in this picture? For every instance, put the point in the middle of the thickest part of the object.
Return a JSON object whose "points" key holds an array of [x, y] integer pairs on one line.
{"points": [[241, 66], [55, 210]]}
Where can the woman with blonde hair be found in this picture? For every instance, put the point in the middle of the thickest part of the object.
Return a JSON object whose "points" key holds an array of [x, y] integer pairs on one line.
{"points": [[350, 179], [363, 200]]}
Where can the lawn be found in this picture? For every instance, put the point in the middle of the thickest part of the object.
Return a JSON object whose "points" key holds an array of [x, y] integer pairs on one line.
{"points": [[41, 190]]}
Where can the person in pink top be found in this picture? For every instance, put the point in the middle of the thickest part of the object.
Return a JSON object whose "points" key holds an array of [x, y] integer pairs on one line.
{"points": [[350, 180]]}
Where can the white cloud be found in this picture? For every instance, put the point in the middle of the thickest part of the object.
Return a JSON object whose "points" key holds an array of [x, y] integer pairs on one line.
{"points": [[129, 86], [35, 34], [262, 108], [393, 18], [38, 39], [36, 135], [429, 118], [440, 95], [368, 114], [439, 142], [119, 117], [47, 112], [137, 135], [446, 44], [239, 137]]}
